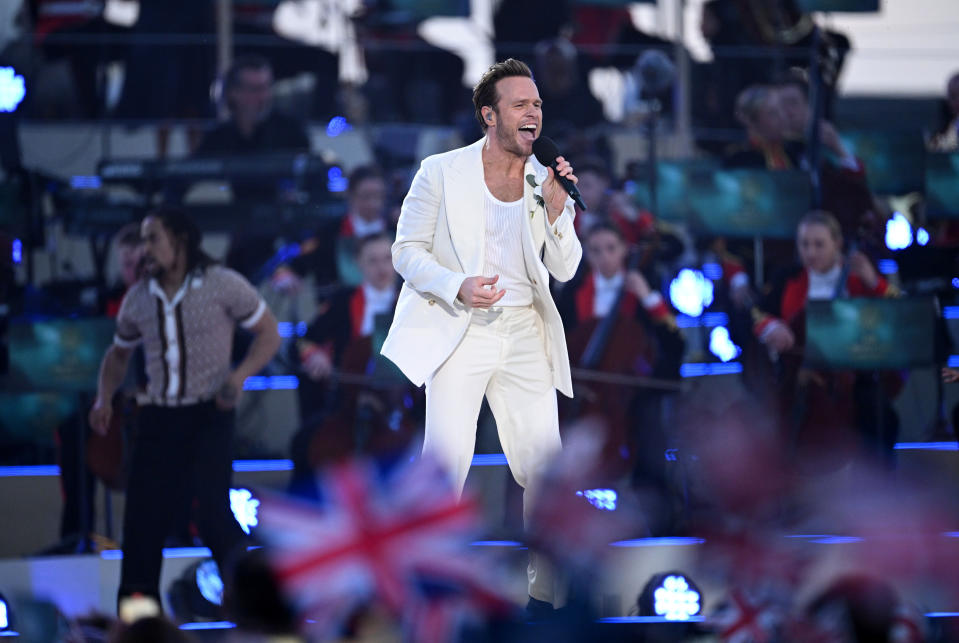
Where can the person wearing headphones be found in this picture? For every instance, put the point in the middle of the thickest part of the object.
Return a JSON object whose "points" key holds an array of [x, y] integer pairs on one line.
{"points": [[253, 128]]}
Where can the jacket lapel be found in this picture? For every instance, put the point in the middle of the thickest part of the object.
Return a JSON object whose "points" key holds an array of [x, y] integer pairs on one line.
{"points": [[463, 198], [535, 212]]}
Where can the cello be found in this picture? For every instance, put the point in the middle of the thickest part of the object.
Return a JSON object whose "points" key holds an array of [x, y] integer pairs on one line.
{"points": [[612, 356]]}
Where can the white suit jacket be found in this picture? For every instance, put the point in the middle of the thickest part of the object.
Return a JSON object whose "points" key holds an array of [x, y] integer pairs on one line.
{"points": [[440, 241]]}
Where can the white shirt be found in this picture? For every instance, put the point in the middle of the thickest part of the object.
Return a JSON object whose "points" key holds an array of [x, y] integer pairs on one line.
{"points": [[504, 250], [377, 303], [364, 228], [822, 285], [605, 292]]}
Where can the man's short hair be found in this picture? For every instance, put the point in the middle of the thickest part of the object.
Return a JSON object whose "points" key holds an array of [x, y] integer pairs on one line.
{"points": [[595, 165], [363, 173], [240, 64], [605, 225], [484, 93], [364, 241]]}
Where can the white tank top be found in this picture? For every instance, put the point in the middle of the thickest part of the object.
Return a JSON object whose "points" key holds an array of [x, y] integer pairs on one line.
{"points": [[504, 250]]}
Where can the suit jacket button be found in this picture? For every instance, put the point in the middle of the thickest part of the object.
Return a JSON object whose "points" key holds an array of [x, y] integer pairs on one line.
{"points": [[534, 283], [431, 302]]}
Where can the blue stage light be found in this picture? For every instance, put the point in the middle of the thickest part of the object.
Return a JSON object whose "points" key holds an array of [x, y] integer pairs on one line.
{"points": [[271, 383], [691, 292], [721, 345], [209, 583], [197, 595], [337, 125], [13, 89], [6, 620], [694, 369], [604, 499], [16, 251], [85, 182], [713, 270], [922, 236], [898, 232], [888, 266], [671, 595], [336, 182], [244, 507]]}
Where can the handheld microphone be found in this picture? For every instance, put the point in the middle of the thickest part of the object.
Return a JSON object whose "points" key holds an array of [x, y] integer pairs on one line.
{"points": [[545, 151]]}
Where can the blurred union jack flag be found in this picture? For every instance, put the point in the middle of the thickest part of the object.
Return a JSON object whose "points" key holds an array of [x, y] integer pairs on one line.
{"points": [[403, 543]]}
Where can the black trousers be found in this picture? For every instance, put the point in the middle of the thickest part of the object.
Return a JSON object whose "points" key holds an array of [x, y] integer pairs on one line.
{"points": [[180, 455]]}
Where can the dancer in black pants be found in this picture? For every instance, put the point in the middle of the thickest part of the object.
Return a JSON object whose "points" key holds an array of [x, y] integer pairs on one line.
{"points": [[184, 312]]}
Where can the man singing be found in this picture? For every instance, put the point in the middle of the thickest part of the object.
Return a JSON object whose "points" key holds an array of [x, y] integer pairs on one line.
{"points": [[478, 231]]}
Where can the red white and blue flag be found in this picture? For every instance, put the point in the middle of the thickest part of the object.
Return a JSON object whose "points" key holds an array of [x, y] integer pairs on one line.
{"points": [[403, 543]]}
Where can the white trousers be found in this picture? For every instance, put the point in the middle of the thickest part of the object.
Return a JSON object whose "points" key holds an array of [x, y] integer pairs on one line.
{"points": [[502, 356]]}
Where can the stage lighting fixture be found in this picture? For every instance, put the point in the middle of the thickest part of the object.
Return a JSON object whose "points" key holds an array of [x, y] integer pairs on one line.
{"points": [[197, 595], [721, 345], [671, 595], [12, 89], [691, 292], [336, 181], [604, 499], [6, 615], [898, 232], [244, 507], [337, 125]]}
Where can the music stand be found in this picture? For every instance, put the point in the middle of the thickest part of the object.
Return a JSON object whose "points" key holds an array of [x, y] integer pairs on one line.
{"points": [[894, 158], [872, 335], [942, 185], [61, 356], [734, 203], [740, 203]]}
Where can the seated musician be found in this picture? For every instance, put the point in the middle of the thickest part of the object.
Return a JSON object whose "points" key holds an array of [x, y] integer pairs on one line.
{"points": [[350, 313], [608, 203], [946, 138], [831, 409], [104, 454], [253, 127], [775, 118], [606, 254], [644, 341], [758, 109], [333, 256], [349, 400]]}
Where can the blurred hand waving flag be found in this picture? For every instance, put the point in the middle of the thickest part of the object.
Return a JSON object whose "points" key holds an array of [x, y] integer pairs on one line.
{"points": [[402, 542]]}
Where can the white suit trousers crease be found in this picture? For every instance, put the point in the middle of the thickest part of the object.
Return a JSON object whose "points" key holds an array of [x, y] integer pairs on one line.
{"points": [[503, 356]]}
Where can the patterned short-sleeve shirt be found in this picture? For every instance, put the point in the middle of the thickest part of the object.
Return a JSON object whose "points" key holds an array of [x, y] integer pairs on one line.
{"points": [[187, 340]]}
